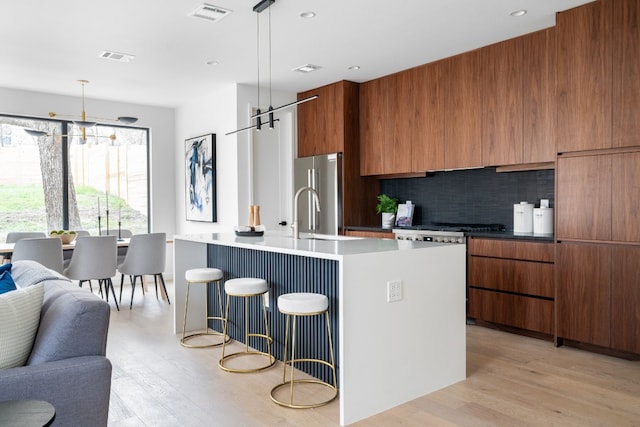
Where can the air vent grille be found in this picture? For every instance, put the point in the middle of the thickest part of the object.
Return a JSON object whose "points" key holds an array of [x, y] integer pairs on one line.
{"points": [[116, 56], [307, 68], [210, 12]]}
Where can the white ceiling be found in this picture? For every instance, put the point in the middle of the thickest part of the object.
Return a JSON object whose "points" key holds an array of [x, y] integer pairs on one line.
{"points": [[48, 45]]}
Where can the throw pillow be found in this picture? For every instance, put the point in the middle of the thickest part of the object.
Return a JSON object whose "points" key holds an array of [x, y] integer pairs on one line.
{"points": [[5, 267], [19, 320], [6, 282]]}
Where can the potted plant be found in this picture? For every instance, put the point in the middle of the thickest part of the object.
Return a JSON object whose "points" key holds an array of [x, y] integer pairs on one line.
{"points": [[388, 207]]}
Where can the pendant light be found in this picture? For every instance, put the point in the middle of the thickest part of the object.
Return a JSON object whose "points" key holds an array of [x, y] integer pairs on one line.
{"points": [[258, 8]]}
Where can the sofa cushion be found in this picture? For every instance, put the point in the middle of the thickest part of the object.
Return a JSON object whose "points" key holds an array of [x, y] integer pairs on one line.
{"points": [[19, 319], [6, 282]]}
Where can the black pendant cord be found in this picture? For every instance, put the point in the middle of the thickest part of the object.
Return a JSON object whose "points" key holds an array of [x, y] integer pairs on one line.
{"points": [[258, 125], [270, 111]]}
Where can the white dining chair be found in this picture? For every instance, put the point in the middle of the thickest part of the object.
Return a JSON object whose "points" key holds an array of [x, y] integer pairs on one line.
{"points": [[66, 254], [47, 251], [145, 256], [14, 236], [94, 258]]}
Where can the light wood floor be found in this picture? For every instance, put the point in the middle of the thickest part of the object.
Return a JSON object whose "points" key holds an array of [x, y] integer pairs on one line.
{"points": [[511, 381]]}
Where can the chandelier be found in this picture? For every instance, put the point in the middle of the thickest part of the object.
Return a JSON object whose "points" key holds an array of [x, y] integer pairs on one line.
{"points": [[83, 121]]}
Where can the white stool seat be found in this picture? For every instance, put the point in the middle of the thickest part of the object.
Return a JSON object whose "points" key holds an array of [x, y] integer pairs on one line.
{"points": [[302, 303], [246, 286], [203, 275]]}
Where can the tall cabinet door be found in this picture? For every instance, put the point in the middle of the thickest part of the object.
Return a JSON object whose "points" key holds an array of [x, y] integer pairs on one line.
{"points": [[626, 73], [583, 300], [428, 147], [625, 299], [583, 202], [625, 197], [463, 108], [502, 103], [373, 126], [584, 77]]}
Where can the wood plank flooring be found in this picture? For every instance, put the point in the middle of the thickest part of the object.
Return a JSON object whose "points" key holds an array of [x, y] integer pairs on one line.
{"points": [[511, 381]]}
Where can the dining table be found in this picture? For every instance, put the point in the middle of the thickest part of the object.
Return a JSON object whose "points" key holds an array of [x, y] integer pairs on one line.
{"points": [[7, 248]]}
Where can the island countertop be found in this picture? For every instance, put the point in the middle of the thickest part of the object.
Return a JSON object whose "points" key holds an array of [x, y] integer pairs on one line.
{"points": [[317, 246]]}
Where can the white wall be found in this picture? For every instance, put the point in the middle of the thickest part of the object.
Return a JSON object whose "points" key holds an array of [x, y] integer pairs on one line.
{"points": [[239, 157]]}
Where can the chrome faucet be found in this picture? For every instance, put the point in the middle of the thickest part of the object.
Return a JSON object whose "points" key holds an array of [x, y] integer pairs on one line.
{"points": [[294, 226]]}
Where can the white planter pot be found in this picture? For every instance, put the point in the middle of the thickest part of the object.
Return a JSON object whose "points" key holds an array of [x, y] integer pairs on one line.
{"points": [[388, 220]]}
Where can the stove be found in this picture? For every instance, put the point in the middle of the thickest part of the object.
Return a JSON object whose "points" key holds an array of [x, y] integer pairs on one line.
{"points": [[444, 232]]}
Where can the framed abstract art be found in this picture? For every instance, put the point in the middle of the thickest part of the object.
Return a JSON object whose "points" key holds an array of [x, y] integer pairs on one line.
{"points": [[200, 178]]}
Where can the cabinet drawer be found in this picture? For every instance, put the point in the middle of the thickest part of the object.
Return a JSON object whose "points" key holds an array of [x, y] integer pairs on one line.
{"points": [[523, 277], [533, 314], [533, 251], [371, 234]]}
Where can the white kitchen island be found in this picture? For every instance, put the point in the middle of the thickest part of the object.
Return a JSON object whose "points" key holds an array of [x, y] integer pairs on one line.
{"points": [[388, 352]]}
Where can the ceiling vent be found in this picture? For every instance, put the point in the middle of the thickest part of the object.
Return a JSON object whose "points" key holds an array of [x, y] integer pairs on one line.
{"points": [[210, 12], [307, 68], [116, 56]]}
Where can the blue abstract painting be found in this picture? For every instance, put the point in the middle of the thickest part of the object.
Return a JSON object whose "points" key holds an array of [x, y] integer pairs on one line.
{"points": [[200, 178]]}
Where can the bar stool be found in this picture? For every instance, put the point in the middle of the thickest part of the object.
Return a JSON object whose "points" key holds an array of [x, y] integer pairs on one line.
{"points": [[205, 276], [247, 287], [303, 304]]}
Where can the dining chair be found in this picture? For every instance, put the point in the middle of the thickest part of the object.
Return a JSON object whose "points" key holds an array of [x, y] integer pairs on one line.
{"points": [[145, 256], [94, 258], [125, 234], [66, 254], [46, 250], [14, 236]]}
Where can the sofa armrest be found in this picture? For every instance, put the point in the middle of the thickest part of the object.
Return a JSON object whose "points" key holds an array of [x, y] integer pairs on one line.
{"points": [[78, 388]]}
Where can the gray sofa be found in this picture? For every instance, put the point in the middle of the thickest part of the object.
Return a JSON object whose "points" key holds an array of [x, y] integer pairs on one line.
{"points": [[67, 366]]}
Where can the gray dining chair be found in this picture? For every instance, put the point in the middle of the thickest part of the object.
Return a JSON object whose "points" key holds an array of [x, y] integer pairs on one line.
{"points": [[47, 251], [145, 256], [14, 236], [66, 254], [125, 234], [94, 258]]}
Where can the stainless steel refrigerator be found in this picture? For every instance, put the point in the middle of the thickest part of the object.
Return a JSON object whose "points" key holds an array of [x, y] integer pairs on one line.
{"points": [[324, 174]]}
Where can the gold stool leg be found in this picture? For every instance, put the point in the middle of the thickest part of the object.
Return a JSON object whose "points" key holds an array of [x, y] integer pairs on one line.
{"points": [[292, 381], [271, 360], [225, 337]]}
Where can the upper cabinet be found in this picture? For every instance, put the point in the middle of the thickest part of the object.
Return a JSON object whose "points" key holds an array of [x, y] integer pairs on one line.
{"points": [[599, 76], [518, 100], [463, 114], [329, 122]]}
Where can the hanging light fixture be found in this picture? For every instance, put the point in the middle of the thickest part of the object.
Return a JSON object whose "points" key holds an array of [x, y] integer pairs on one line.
{"points": [[83, 136], [259, 8], [82, 121]]}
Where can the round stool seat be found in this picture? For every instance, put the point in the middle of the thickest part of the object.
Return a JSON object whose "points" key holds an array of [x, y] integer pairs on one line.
{"points": [[246, 286], [203, 275], [302, 303]]}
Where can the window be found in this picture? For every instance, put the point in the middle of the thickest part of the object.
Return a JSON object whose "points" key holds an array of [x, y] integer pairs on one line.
{"points": [[107, 167]]}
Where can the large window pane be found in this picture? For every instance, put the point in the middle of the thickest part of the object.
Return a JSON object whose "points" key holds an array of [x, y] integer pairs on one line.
{"points": [[109, 170], [30, 176], [104, 162]]}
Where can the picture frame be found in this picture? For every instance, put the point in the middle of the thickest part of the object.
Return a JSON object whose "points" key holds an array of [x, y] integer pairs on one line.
{"points": [[200, 178]]}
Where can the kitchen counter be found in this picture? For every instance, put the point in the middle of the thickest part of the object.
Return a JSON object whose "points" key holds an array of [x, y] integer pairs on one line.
{"points": [[390, 352]]}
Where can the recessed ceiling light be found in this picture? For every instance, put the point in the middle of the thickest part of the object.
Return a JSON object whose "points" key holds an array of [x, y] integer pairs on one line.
{"points": [[307, 68], [520, 12], [212, 62], [354, 67], [308, 14]]}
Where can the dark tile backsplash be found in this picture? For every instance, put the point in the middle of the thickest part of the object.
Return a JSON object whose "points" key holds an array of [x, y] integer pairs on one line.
{"points": [[471, 196]]}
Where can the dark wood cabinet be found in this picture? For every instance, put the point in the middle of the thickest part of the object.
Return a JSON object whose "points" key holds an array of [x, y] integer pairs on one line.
{"points": [[599, 295], [626, 73], [373, 126], [584, 77], [625, 298], [463, 110], [512, 283], [404, 119], [583, 200], [370, 234], [502, 102], [583, 292], [325, 124], [539, 97]]}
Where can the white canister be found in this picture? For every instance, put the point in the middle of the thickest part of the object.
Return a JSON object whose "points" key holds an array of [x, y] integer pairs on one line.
{"points": [[543, 221], [523, 218]]}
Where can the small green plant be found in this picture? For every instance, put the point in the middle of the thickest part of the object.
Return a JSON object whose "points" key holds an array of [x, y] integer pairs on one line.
{"points": [[387, 204]]}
